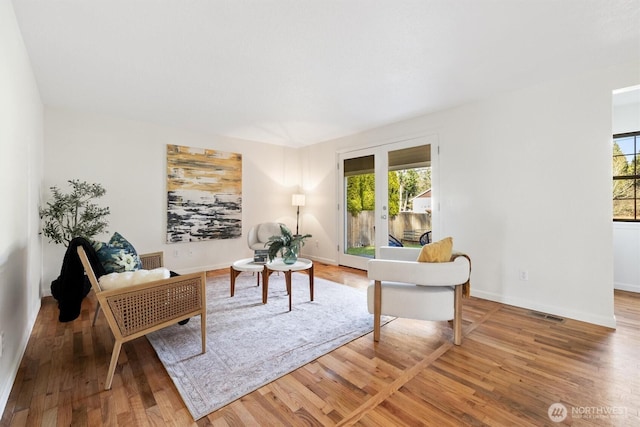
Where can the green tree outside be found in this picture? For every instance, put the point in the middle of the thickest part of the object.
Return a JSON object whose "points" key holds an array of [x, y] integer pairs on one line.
{"points": [[394, 194], [403, 186]]}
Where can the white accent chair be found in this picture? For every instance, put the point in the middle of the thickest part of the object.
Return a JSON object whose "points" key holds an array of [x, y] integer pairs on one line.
{"points": [[406, 288], [259, 234]]}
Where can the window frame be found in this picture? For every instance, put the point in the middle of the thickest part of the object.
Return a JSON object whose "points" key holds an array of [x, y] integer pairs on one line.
{"points": [[635, 177]]}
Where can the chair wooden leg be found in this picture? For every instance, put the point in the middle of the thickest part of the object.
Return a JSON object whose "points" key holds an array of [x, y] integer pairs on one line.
{"points": [[95, 315], [112, 366], [457, 315], [203, 330], [377, 309]]}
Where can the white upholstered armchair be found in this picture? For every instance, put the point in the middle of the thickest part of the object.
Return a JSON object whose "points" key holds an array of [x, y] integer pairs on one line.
{"points": [[406, 288], [259, 234]]}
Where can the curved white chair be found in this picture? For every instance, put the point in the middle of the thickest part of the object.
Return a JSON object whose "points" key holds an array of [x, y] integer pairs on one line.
{"points": [[406, 288], [259, 234]]}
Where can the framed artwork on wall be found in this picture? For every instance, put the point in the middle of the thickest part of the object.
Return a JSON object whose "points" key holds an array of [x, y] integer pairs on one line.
{"points": [[204, 194]]}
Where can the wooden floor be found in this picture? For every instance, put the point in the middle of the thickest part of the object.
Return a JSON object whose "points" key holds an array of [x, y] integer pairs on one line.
{"points": [[511, 367]]}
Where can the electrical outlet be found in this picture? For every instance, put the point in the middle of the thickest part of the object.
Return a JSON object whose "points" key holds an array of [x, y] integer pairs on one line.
{"points": [[524, 275], [176, 253]]}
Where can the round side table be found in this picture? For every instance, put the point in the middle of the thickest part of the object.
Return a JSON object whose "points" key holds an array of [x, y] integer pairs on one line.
{"points": [[245, 264], [302, 264]]}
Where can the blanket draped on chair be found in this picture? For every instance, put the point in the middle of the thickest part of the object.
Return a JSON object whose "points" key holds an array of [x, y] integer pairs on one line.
{"points": [[71, 286]]}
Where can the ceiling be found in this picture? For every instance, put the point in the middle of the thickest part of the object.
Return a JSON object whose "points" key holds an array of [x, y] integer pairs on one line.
{"points": [[298, 72]]}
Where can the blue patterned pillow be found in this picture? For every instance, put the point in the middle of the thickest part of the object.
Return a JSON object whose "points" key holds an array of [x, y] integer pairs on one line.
{"points": [[118, 255]]}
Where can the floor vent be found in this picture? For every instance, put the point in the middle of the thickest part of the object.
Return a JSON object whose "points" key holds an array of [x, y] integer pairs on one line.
{"points": [[546, 316]]}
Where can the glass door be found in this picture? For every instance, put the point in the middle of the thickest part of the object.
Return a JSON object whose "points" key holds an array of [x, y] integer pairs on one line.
{"points": [[379, 192], [358, 213]]}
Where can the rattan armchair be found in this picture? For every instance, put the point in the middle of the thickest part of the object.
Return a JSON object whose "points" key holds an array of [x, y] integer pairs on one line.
{"points": [[137, 310], [149, 262]]}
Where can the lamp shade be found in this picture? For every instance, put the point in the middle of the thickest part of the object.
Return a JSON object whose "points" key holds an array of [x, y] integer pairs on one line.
{"points": [[297, 200]]}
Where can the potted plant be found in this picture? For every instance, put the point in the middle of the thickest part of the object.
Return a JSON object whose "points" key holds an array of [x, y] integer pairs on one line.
{"points": [[287, 244], [74, 214]]}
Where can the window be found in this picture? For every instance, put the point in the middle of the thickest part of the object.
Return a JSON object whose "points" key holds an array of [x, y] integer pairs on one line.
{"points": [[626, 177]]}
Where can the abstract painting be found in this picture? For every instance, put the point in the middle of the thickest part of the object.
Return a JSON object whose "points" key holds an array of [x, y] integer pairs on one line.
{"points": [[204, 194]]}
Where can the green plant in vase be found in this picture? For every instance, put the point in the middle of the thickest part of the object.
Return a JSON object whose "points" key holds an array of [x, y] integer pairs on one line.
{"points": [[287, 244]]}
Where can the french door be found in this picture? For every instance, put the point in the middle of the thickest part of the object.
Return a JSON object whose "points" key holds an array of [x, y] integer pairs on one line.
{"points": [[372, 200]]}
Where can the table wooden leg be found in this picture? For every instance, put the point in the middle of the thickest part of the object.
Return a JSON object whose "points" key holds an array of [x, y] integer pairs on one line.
{"points": [[265, 284], [233, 273], [311, 281], [287, 276]]}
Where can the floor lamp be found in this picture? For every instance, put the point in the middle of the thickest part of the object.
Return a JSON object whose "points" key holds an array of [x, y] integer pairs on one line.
{"points": [[297, 200]]}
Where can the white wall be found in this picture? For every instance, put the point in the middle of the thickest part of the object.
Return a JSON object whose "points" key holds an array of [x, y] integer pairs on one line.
{"points": [[626, 118], [129, 159], [626, 236], [523, 182], [20, 179]]}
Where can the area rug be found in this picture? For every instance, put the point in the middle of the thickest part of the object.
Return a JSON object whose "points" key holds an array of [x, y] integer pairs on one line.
{"points": [[250, 344]]}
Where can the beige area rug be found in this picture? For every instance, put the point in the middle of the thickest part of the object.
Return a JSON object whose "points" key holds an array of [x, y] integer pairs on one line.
{"points": [[250, 344]]}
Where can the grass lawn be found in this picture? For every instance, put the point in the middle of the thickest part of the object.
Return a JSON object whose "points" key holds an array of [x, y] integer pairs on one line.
{"points": [[369, 251], [365, 251]]}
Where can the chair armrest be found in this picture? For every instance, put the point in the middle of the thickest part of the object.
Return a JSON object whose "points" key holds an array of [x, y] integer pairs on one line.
{"points": [[152, 260], [420, 273], [252, 236], [164, 301]]}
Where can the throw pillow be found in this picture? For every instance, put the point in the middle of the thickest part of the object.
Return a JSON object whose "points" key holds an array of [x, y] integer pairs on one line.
{"points": [[117, 255], [439, 251]]}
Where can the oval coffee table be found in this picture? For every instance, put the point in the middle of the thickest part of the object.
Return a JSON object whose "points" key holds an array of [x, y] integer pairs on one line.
{"points": [[302, 264]]}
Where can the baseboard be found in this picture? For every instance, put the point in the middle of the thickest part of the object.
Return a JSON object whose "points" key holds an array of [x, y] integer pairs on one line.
{"points": [[627, 287], [608, 322], [321, 260], [14, 366], [204, 268]]}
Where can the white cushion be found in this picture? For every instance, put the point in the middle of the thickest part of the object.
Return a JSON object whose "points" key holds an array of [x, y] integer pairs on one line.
{"points": [[129, 278]]}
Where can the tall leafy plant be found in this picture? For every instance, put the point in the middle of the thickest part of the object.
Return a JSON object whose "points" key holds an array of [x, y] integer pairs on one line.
{"points": [[74, 214]]}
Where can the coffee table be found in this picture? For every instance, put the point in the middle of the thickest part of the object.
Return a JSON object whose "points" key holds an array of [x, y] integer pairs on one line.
{"points": [[246, 264], [302, 264]]}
